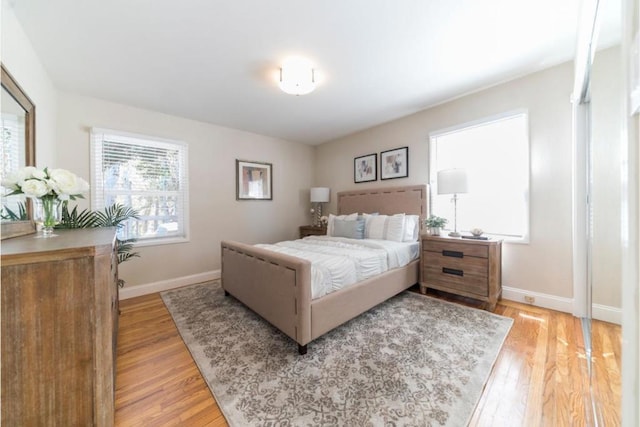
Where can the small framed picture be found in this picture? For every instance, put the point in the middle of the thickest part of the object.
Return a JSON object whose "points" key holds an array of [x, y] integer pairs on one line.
{"points": [[394, 163], [253, 180], [365, 168]]}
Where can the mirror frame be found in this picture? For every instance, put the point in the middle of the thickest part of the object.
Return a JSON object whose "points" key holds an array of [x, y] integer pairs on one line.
{"points": [[19, 228]]}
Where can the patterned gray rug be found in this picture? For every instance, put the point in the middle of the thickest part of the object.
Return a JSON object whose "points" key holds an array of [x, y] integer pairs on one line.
{"points": [[413, 360]]}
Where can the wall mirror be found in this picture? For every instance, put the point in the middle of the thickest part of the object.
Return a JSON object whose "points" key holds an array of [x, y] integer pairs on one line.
{"points": [[17, 149]]}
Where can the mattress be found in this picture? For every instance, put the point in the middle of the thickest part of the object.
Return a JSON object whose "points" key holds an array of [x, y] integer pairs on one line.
{"points": [[338, 262]]}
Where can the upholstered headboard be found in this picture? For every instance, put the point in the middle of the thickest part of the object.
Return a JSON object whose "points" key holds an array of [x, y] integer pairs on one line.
{"points": [[410, 199]]}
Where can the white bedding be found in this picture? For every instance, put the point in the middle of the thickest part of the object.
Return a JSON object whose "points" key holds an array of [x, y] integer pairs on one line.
{"points": [[337, 262]]}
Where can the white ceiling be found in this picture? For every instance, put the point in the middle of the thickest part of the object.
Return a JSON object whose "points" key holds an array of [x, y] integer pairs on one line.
{"points": [[217, 60]]}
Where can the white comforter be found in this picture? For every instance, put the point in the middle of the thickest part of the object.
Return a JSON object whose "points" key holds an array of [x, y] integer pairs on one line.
{"points": [[338, 262]]}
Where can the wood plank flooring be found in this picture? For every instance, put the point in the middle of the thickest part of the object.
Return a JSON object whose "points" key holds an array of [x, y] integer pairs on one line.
{"points": [[539, 379], [158, 383]]}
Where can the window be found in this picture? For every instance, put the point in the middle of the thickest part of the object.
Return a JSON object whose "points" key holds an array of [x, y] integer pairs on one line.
{"points": [[147, 174], [495, 153]]}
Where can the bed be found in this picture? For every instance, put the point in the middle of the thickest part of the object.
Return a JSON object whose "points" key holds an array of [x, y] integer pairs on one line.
{"points": [[277, 286]]}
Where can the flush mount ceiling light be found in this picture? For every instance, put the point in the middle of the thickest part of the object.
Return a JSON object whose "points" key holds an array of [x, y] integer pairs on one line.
{"points": [[297, 76]]}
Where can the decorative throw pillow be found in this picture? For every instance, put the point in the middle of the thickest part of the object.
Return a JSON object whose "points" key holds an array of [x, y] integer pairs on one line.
{"points": [[333, 217], [367, 217], [353, 229], [386, 227]]}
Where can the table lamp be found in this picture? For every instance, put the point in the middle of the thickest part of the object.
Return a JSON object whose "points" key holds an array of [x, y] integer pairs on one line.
{"points": [[319, 195], [453, 181]]}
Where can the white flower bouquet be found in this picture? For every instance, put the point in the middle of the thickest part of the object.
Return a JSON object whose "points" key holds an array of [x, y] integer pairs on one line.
{"points": [[49, 188], [45, 183]]}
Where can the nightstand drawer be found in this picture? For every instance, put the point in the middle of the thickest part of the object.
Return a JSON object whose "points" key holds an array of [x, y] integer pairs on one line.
{"points": [[311, 230], [470, 265], [447, 280], [469, 274], [455, 249]]}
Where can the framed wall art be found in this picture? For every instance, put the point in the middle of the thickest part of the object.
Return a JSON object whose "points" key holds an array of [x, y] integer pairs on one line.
{"points": [[394, 163], [365, 168], [253, 180]]}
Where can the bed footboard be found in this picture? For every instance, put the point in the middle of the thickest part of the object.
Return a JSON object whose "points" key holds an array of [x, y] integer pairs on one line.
{"points": [[275, 286]]}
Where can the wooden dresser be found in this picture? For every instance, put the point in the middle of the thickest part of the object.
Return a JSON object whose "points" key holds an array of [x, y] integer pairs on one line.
{"points": [[471, 268], [59, 328]]}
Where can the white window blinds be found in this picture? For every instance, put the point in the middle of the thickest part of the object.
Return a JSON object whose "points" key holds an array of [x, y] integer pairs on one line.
{"points": [[147, 174], [12, 157], [12, 149]]}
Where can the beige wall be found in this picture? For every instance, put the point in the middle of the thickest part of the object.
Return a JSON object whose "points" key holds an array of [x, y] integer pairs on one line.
{"points": [[543, 265], [18, 56], [62, 140], [214, 212]]}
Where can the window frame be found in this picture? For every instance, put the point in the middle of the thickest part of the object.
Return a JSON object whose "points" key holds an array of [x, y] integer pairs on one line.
{"points": [[525, 238], [98, 186]]}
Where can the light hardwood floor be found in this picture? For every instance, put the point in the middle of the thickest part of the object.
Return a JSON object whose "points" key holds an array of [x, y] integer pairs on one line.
{"points": [[538, 379]]}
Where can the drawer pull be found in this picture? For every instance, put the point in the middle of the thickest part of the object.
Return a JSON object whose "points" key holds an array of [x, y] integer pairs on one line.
{"points": [[453, 271], [454, 254]]}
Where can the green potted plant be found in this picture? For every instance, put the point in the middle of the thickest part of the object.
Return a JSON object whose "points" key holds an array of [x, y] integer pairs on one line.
{"points": [[112, 216], [435, 224]]}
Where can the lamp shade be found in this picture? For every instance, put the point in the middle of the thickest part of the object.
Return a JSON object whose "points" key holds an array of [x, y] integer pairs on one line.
{"points": [[320, 195], [452, 181]]}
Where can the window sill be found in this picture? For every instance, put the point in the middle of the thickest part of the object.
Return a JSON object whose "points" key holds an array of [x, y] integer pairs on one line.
{"points": [[160, 241]]}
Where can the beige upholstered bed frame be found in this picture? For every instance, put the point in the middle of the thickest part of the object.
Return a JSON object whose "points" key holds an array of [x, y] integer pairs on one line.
{"points": [[278, 286]]}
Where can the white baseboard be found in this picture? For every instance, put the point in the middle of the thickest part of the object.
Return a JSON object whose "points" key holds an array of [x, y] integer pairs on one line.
{"points": [[600, 312], [607, 313], [165, 285], [541, 300]]}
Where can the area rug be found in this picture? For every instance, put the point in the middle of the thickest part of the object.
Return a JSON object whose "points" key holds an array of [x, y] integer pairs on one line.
{"points": [[413, 360]]}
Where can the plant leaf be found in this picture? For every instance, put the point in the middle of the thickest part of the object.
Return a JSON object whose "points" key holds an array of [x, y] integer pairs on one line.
{"points": [[112, 216], [74, 219], [8, 214], [115, 215]]}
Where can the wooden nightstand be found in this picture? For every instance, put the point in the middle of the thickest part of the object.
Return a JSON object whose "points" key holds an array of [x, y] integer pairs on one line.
{"points": [[312, 230], [471, 268]]}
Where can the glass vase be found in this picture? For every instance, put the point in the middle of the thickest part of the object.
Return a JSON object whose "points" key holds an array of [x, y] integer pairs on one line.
{"points": [[47, 214]]}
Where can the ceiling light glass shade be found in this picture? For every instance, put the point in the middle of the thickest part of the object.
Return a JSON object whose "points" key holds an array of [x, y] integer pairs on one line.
{"points": [[452, 181], [320, 194], [297, 76]]}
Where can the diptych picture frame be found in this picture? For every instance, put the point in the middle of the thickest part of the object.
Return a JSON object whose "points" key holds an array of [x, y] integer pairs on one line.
{"points": [[394, 163], [365, 168]]}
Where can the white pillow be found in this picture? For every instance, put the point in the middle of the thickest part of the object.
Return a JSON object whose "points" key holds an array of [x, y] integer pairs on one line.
{"points": [[411, 228], [385, 227], [367, 217], [332, 217]]}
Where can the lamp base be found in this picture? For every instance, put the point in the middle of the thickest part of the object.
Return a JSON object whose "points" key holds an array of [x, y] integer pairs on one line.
{"points": [[317, 214], [455, 234]]}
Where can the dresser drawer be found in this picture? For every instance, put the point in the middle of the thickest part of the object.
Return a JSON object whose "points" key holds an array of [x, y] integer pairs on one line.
{"points": [[455, 248]]}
